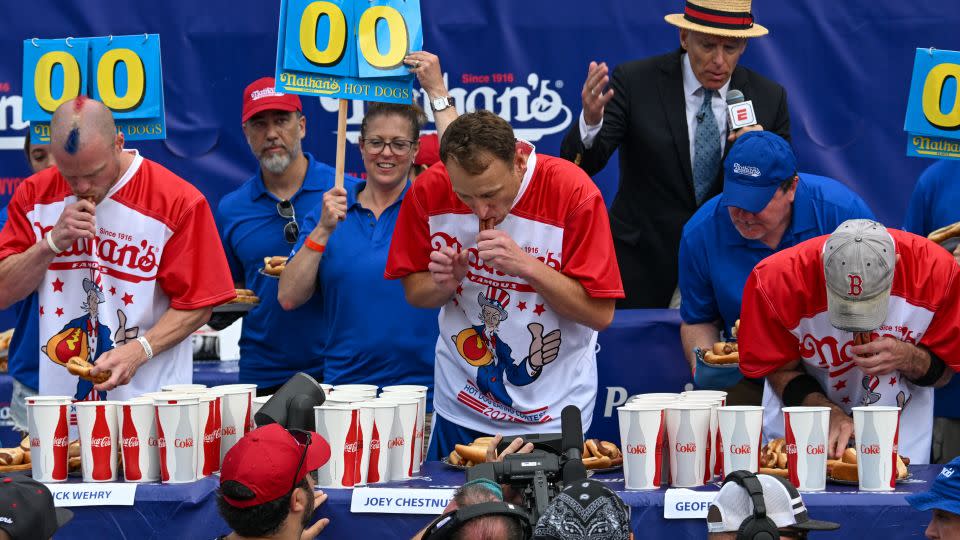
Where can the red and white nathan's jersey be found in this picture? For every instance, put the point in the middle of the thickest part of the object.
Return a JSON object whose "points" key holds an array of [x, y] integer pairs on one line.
{"points": [[784, 318], [488, 377], [156, 247]]}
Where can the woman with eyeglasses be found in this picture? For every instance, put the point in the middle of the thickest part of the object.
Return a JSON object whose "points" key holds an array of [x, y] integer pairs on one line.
{"points": [[374, 335]]}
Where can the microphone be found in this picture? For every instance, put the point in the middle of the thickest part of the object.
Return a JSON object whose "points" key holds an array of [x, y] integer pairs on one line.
{"points": [[571, 440], [740, 111], [700, 116]]}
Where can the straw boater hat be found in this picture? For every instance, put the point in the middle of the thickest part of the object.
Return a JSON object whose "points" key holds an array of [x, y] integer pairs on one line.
{"points": [[728, 18]]}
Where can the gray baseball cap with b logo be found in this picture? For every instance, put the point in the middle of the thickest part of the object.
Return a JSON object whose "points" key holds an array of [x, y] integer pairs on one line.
{"points": [[858, 262]]}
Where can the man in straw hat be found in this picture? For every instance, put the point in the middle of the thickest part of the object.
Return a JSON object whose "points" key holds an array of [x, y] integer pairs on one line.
{"points": [[667, 115], [864, 316]]}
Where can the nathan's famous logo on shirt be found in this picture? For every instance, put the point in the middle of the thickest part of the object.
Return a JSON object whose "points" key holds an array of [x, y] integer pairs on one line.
{"points": [[828, 353], [119, 249], [441, 239], [530, 104]]}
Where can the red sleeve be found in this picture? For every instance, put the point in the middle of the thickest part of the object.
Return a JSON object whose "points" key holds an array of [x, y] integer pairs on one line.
{"points": [[410, 247], [765, 344], [18, 234], [588, 254], [943, 334], [194, 271]]}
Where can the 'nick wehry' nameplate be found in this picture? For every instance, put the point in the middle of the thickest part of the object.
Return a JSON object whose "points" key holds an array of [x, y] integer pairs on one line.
{"points": [[93, 494]]}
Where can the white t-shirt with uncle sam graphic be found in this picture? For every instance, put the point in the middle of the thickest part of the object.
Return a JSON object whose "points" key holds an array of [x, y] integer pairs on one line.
{"points": [[486, 379], [156, 247]]}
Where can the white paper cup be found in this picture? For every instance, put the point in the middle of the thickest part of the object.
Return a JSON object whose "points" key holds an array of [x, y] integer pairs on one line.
{"points": [[714, 451], [688, 430], [339, 425], [655, 396], [209, 434], [401, 449], [236, 418], [48, 420], [383, 434], [877, 432], [357, 388], [177, 433], [99, 437], [418, 440], [138, 440], [404, 388], [185, 388], [347, 397], [806, 431], [256, 404], [716, 394], [739, 439], [642, 430]]}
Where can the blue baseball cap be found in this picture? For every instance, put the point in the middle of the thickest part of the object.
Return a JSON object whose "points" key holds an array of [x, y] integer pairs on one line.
{"points": [[756, 165], [944, 494]]}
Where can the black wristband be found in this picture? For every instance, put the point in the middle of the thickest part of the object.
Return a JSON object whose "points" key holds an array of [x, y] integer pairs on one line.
{"points": [[934, 372], [799, 388]]}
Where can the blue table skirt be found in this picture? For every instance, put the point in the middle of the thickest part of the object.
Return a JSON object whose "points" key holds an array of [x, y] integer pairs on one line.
{"points": [[189, 511]]}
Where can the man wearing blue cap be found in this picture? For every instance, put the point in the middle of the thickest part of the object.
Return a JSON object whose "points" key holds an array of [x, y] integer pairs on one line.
{"points": [[766, 206], [944, 499]]}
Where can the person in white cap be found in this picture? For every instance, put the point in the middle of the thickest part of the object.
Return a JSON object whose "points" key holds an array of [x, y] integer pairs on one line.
{"points": [[864, 316], [760, 506], [667, 115]]}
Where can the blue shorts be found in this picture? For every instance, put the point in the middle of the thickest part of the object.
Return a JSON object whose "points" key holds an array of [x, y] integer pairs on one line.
{"points": [[444, 435]]}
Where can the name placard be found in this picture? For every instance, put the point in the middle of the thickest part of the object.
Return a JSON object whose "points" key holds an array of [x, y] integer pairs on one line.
{"points": [[679, 503], [401, 500], [91, 494]]}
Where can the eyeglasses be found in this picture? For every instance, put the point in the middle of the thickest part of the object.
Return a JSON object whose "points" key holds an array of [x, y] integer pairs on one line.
{"points": [[291, 231], [400, 147], [303, 439]]}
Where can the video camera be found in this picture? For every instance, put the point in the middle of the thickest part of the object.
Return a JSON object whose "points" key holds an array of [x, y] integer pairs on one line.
{"points": [[539, 476]]}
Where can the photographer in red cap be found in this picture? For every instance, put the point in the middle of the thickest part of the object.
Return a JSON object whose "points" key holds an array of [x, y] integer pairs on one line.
{"points": [[266, 490]]}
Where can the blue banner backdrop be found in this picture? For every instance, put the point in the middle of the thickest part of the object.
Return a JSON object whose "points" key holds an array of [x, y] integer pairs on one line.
{"points": [[846, 67]]}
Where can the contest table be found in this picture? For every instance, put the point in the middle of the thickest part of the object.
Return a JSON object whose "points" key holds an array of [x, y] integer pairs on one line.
{"points": [[189, 511]]}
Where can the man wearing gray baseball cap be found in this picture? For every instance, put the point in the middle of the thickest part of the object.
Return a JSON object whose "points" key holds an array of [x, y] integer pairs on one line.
{"points": [[864, 316]]}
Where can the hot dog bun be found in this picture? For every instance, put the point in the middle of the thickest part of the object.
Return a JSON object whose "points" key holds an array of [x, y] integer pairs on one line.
{"points": [[945, 233]]}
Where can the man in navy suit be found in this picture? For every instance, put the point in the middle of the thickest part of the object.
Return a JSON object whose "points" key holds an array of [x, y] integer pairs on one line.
{"points": [[655, 112]]}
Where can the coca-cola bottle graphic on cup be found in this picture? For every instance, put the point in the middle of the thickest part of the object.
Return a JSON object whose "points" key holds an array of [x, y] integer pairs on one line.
{"points": [[816, 445], [211, 440], [869, 460], [739, 445], [686, 452], [101, 446], [61, 443], [373, 469], [639, 438], [162, 447], [351, 454], [184, 449], [130, 442]]}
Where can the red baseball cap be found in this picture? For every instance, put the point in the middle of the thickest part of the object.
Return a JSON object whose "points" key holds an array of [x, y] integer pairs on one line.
{"points": [[260, 95], [429, 152], [265, 462]]}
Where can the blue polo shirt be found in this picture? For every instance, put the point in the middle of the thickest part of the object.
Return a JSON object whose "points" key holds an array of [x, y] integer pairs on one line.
{"points": [[375, 336], [23, 358], [274, 344], [715, 260], [935, 203]]}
